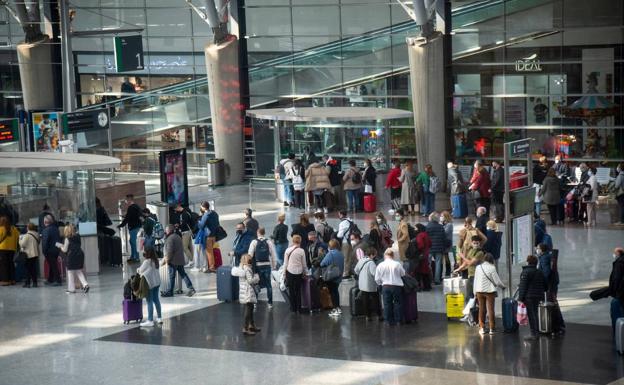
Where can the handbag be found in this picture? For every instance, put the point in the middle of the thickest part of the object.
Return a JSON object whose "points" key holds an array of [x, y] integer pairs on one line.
{"points": [[597, 294], [330, 273], [521, 314], [20, 257], [368, 189], [220, 234]]}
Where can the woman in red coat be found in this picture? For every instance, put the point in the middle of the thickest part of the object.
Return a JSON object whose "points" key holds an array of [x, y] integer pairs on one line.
{"points": [[423, 271], [393, 182], [481, 184]]}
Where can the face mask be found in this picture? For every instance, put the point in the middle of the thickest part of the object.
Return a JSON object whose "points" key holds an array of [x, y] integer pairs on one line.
{"points": [[239, 231], [379, 221], [538, 251], [557, 161], [475, 245], [353, 243]]}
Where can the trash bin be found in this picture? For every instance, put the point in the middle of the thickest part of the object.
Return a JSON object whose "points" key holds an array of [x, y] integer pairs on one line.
{"points": [[216, 172]]}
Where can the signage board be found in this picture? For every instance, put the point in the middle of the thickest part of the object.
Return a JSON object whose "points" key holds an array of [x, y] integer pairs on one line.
{"points": [[522, 201], [9, 131], [529, 64], [82, 121], [173, 177], [522, 239], [521, 147], [128, 53]]}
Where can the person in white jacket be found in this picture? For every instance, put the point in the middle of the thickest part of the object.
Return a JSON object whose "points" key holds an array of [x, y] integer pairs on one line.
{"points": [[247, 293], [29, 244], [149, 270], [486, 282], [593, 200]]}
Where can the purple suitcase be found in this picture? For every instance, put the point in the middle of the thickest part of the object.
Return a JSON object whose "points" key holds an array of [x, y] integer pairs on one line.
{"points": [[410, 307], [132, 310], [310, 295]]}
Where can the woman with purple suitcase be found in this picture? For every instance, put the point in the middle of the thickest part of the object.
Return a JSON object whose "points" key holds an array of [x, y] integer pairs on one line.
{"points": [[149, 270]]}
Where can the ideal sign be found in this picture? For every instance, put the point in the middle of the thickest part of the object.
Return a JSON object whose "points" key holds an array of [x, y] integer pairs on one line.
{"points": [[529, 64]]}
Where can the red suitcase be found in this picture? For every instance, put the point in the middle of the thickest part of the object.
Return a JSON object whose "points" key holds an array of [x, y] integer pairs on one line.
{"points": [[60, 264], [370, 203], [217, 257]]}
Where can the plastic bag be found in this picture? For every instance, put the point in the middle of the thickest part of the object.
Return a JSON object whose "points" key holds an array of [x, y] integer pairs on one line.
{"points": [[521, 314]]}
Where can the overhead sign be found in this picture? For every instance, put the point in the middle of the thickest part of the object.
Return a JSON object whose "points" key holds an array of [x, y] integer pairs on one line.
{"points": [[529, 64], [128, 53], [521, 147], [85, 121], [9, 131]]}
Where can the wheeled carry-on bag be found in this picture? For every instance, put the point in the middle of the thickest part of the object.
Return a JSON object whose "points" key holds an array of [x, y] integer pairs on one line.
{"points": [[410, 306], [370, 203], [116, 252], [310, 295], [460, 206], [545, 312], [356, 302], [619, 335], [132, 310], [227, 285], [510, 322], [454, 306]]}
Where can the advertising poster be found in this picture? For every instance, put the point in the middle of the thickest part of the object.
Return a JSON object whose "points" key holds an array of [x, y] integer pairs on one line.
{"points": [[173, 180], [46, 131]]}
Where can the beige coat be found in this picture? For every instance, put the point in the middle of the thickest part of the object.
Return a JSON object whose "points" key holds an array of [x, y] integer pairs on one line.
{"points": [[348, 183], [29, 243], [317, 178], [403, 239]]}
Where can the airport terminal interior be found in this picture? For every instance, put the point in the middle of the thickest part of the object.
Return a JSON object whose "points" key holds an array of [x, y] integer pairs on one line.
{"points": [[126, 125]]}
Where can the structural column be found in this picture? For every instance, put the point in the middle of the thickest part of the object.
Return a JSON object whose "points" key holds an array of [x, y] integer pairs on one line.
{"points": [[426, 60], [225, 106], [36, 74]]}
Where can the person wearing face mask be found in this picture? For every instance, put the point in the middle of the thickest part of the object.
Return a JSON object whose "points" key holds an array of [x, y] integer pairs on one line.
{"points": [[591, 199], [619, 192], [370, 174], [373, 238], [242, 241], [358, 251], [386, 232], [616, 286], [447, 222], [470, 260], [562, 170]]}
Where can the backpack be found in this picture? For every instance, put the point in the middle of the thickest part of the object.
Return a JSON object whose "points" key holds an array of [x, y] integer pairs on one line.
{"points": [[328, 231], [434, 184], [297, 181], [413, 252], [195, 218], [353, 229], [411, 231], [356, 177], [158, 232], [334, 173], [127, 290], [262, 253], [386, 236]]}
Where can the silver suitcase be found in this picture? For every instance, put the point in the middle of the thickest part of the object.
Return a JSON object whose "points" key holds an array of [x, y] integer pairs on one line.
{"points": [[545, 312], [619, 335]]}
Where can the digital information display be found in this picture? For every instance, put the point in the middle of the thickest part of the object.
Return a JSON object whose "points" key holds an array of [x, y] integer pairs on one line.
{"points": [[9, 131]]}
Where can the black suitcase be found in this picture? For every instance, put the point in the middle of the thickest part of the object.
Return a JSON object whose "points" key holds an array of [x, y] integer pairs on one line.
{"points": [[115, 255], [104, 248], [227, 285], [356, 302]]}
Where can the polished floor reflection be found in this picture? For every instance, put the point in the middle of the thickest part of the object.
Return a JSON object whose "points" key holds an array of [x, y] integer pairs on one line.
{"points": [[583, 355]]}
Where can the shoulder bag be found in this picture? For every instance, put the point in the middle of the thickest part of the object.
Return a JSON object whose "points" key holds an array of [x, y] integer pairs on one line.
{"points": [[488, 278]]}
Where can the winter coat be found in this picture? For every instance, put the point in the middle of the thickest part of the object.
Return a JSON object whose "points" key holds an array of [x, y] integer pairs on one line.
{"points": [[347, 179], [408, 189], [9, 241], [370, 174], [550, 192], [493, 243], [486, 279], [532, 284], [424, 245], [455, 182], [174, 252], [75, 255], [498, 181], [539, 173], [247, 279], [49, 238], [317, 178], [481, 183], [465, 236], [616, 279], [402, 239], [151, 273], [29, 243], [392, 180], [438, 237]]}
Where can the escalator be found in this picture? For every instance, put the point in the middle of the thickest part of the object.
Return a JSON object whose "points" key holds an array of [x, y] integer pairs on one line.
{"points": [[314, 71]]}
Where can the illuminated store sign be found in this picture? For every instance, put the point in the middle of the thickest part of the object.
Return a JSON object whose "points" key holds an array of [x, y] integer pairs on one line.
{"points": [[529, 64], [8, 131]]}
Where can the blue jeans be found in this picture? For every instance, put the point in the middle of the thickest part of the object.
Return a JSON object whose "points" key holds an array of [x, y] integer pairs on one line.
{"points": [[439, 261], [352, 200], [616, 312], [392, 298], [153, 299], [264, 272], [172, 274], [280, 249], [288, 196], [538, 208], [427, 203], [149, 243], [134, 251]]}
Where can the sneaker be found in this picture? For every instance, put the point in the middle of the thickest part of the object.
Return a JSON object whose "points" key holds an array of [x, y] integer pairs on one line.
{"points": [[481, 331], [339, 310], [146, 324], [325, 210], [255, 329], [69, 292], [464, 318], [86, 289], [166, 294], [178, 292], [203, 270], [248, 332], [333, 313], [492, 332], [195, 270], [159, 321], [191, 293], [270, 306]]}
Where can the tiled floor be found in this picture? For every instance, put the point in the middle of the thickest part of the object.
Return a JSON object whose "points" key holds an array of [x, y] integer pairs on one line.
{"points": [[49, 337]]}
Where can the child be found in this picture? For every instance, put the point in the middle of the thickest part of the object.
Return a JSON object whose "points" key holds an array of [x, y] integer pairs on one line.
{"points": [[247, 294]]}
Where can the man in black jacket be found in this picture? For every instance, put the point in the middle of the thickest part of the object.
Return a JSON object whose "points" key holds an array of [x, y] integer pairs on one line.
{"points": [[132, 219], [49, 238], [616, 286], [438, 244], [183, 220], [530, 292], [498, 191]]}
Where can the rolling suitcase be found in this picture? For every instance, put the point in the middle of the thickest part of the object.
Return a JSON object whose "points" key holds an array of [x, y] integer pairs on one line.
{"points": [[619, 335], [60, 266], [454, 306], [370, 203], [217, 257], [310, 295], [510, 307], [410, 306], [104, 249], [227, 285], [116, 253], [545, 312], [132, 310], [326, 301], [459, 205], [164, 280], [356, 302]]}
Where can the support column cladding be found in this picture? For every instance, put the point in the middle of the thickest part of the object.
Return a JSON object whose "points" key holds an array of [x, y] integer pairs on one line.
{"points": [[426, 60], [37, 75], [225, 106]]}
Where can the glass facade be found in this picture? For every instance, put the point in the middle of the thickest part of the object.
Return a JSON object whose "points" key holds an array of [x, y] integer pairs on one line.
{"points": [[552, 72]]}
